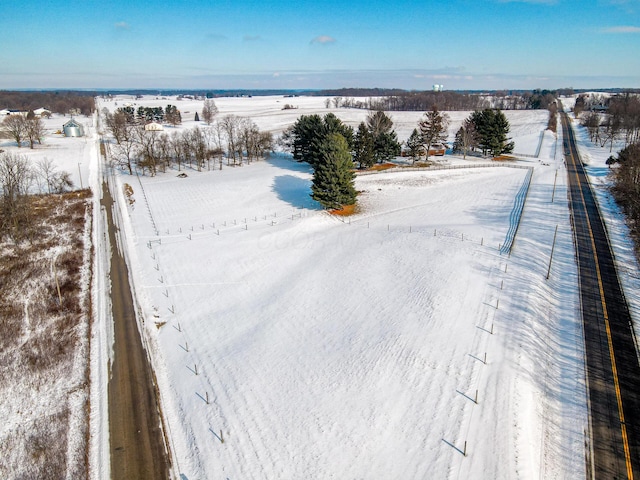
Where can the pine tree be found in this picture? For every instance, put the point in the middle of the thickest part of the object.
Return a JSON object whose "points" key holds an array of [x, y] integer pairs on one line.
{"points": [[385, 140], [333, 177], [305, 136], [196, 118], [378, 123], [363, 147], [386, 147], [492, 128], [415, 145]]}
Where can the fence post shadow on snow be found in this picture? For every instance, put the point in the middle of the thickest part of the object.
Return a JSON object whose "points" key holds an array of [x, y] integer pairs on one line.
{"points": [[473, 399], [484, 329], [205, 399], [462, 451], [483, 359], [219, 436]]}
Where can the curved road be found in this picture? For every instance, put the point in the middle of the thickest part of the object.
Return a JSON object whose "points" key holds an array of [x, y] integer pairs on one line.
{"points": [[612, 368]]}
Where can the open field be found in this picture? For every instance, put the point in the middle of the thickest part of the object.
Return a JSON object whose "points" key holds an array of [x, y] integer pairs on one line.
{"points": [[318, 347], [44, 334]]}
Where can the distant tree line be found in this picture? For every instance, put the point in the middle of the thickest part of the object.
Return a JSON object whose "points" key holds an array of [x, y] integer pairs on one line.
{"points": [[62, 102], [235, 138], [400, 100]]}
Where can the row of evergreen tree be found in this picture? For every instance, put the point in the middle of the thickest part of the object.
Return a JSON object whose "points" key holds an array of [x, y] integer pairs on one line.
{"points": [[333, 148]]}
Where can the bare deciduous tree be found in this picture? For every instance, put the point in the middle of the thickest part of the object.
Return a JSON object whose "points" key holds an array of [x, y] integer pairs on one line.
{"points": [[230, 125], [209, 110], [116, 123], [125, 152], [34, 130], [15, 127], [45, 170], [15, 178]]}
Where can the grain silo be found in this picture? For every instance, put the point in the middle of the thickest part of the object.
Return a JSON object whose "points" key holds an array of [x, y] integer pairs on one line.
{"points": [[73, 129]]}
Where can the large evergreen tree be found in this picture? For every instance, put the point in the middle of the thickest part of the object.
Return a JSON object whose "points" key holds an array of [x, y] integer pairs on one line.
{"points": [[385, 140], [386, 147], [415, 145], [492, 128], [305, 137], [333, 177], [363, 145]]}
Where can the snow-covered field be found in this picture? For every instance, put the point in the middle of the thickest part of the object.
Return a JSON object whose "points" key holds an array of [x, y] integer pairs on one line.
{"points": [[387, 345]]}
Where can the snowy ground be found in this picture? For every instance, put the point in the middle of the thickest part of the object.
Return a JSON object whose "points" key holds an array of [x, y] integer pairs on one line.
{"points": [[376, 347], [356, 349]]}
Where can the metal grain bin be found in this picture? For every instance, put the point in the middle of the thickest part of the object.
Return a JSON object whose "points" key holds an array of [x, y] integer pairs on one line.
{"points": [[73, 129]]}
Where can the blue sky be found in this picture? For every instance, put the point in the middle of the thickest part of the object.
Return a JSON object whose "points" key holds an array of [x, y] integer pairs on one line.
{"points": [[462, 44]]}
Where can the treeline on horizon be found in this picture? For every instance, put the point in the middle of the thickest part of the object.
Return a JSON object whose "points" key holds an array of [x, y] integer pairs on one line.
{"points": [[82, 101], [62, 102]]}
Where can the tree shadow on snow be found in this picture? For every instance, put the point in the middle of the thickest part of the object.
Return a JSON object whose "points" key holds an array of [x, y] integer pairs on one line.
{"points": [[295, 191], [286, 162]]}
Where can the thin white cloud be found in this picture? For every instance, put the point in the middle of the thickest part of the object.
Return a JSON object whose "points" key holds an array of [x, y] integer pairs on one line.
{"points": [[621, 29], [323, 40], [251, 38], [122, 26]]}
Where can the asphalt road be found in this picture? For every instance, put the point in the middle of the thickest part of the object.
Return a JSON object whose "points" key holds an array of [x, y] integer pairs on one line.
{"points": [[612, 368], [136, 440]]}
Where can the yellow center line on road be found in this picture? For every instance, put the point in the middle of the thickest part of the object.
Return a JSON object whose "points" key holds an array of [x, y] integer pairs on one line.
{"points": [[614, 368]]}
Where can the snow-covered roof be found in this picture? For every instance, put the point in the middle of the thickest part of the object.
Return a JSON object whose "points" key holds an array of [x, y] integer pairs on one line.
{"points": [[153, 127]]}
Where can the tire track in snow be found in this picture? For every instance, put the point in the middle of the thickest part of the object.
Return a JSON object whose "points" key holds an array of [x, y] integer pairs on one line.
{"points": [[516, 213]]}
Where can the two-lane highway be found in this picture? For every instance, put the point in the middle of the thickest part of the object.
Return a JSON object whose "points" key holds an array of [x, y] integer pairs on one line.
{"points": [[612, 367]]}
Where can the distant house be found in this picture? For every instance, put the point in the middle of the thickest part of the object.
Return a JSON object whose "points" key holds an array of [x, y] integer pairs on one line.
{"points": [[42, 112], [153, 127], [73, 129], [10, 111]]}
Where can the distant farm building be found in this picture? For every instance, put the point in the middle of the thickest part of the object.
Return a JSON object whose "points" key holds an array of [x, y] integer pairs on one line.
{"points": [[10, 111], [438, 88], [437, 149], [42, 112], [73, 129], [153, 127]]}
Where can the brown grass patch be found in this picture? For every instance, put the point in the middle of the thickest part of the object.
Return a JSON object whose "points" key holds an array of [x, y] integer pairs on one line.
{"points": [[346, 210], [382, 166], [40, 338], [504, 158]]}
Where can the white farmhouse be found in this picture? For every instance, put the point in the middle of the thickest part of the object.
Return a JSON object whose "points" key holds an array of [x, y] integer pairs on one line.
{"points": [[153, 127]]}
